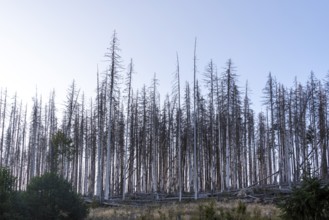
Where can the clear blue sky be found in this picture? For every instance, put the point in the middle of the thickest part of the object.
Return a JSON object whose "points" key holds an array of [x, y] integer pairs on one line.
{"points": [[47, 44]]}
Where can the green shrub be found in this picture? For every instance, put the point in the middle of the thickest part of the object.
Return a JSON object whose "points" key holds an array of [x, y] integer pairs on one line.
{"points": [[18, 207], [7, 183], [241, 208], [236, 213], [52, 197], [307, 202], [208, 212]]}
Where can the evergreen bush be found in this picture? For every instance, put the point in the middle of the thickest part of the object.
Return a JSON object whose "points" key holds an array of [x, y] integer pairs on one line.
{"points": [[52, 197], [310, 201]]}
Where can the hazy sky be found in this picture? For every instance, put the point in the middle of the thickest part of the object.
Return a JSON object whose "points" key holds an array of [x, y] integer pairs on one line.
{"points": [[46, 44]]}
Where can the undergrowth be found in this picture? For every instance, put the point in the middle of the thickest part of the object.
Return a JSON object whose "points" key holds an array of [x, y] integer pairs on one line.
{"points": [[309, 201], [208, 210]]}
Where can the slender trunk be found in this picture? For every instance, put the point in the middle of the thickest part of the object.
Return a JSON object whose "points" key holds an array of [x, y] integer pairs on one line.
{"points": [[179, 137], [194, 129], [127, 134], [99, 187]]}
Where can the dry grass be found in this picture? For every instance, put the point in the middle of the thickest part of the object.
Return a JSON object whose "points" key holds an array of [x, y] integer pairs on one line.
{"points": [[210, 209]]}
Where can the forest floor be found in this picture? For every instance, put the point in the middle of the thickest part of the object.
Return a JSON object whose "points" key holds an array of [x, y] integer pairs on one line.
{"points": [[257, 202], [200, 209]]}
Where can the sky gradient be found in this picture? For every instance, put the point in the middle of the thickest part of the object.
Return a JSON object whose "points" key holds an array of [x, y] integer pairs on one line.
{"points": [[47, 44]]}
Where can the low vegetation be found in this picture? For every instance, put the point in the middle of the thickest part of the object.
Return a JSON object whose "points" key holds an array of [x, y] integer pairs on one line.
{"points": [[205, 209], [51, 197], [309, 201], [46, 197]]}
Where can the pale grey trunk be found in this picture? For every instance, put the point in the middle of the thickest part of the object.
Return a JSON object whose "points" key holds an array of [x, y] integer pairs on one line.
{"points": [[194, 129], [108, 153], [179, 137], [99, 185], [3, 118], [125, 170]]}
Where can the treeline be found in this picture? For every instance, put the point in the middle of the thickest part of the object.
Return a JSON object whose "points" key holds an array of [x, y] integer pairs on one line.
{"points": [[127, 140]]}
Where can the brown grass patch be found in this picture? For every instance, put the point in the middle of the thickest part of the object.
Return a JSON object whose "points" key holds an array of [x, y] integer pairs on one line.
{"points": [[201, 209]]}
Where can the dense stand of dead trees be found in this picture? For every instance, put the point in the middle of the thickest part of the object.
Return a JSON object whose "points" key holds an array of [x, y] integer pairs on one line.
{"points": [[127, 141]]}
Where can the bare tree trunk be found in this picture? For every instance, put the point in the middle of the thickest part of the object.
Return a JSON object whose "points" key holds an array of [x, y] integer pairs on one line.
{"points": [[100, 121], [114, 67], [82, 135], [322, 126], [154, 140], [3, 120], [92, 147], [129, 77], [209, 79], [176, 93], [195, 183]]}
